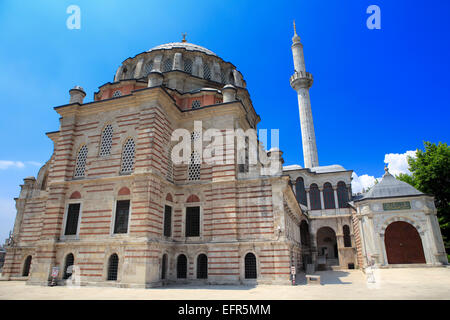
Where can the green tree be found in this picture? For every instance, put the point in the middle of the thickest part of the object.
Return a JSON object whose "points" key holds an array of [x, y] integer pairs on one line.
{"points": [[431, 175]]}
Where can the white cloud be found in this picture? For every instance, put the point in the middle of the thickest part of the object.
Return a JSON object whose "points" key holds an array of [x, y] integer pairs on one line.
{"points": [[6, 164], [362, 182], [35, 163], [398, 162]]}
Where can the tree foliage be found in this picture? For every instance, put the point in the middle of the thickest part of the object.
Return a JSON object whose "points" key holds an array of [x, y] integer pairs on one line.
{"points": [[431, 175]]}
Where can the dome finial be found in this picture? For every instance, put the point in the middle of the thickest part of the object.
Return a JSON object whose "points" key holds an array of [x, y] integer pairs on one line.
{"points": [[295, 30], [184, 37]]}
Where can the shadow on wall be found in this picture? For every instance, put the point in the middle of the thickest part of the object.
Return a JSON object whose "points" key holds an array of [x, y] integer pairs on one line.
{"points": [[208, 286], [326, 277]]}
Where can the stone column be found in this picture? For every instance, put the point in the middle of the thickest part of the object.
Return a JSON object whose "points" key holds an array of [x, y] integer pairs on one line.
{"points": [[322, 203], [336, 202], [308, 199]]}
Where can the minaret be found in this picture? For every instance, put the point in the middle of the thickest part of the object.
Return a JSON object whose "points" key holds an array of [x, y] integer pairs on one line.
{"points": [[301, 81]]}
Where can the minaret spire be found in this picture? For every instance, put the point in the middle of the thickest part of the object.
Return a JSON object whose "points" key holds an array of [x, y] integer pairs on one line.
{"points": [[301, 81]]}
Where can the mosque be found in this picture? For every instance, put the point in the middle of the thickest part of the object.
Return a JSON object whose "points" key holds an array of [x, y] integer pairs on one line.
{"points": [[113, 208]]}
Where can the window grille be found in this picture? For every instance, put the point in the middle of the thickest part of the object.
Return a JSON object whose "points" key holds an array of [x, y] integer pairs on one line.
{"points": [[192, 221], [167, 221], [181, 267], [328, 196], [105, 146], [167, 65], [128, 157], [202, 267], [347, 238], [73, 213], [195, 136], [194, 167], [206, 71], [250, 266], [196, 104], [113, 267], [148, 68], [69, 262], [342, 192], [80, 165], [300, 191], [314, 196], [188, 66], [122, 213], [169, 175], [117, 93], [164, 266], [26, 267]]}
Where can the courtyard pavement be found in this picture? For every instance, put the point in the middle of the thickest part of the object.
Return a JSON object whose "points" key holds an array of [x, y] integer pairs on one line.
{"points": [[399, 283]]}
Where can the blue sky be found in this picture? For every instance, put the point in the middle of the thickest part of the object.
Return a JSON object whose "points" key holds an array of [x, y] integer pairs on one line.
{"points": [[376, 92]]}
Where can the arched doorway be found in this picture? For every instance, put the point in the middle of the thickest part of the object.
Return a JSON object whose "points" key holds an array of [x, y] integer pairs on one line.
{"points": [[26, 267], [403, 244], [327, 246], [250, 266], [181, 267]]}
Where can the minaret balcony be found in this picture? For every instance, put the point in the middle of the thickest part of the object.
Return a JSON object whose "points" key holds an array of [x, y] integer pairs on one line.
{"points": [[301, 79]]}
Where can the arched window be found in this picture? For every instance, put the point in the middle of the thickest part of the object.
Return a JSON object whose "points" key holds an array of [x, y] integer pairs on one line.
{"points": [[347, 238], [202, 266], [300, 191], [26, 267], [194, 167], [80, 165], [342, 193], [167, 65], [113, 267], [128, 157], [196, 104], [206, 71], [68, 263], [187, 65], [314, 196], [181, 267], [328, 196], [106, 143], [148, 68], [164, 266], [117, 94], [250, 266]]}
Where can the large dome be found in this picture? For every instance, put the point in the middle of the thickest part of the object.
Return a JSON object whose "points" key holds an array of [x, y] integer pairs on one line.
{"points": [[186, 45]]}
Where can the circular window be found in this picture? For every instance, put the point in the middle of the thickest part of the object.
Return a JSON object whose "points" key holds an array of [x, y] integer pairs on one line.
{"points": [[116, 94]]}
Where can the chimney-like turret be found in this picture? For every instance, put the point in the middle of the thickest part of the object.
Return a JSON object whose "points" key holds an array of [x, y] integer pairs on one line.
{"points": [[77, 95]]}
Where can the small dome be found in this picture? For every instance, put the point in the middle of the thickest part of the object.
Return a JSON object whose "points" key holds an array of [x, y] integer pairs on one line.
{"points": [[185, 45]]}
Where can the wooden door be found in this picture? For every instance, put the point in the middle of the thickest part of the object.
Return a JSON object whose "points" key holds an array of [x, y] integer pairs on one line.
{"points": [[403, 244]]}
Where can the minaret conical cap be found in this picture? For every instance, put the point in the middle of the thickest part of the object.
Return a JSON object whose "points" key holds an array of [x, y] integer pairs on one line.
{"points": [[295, 38]]}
